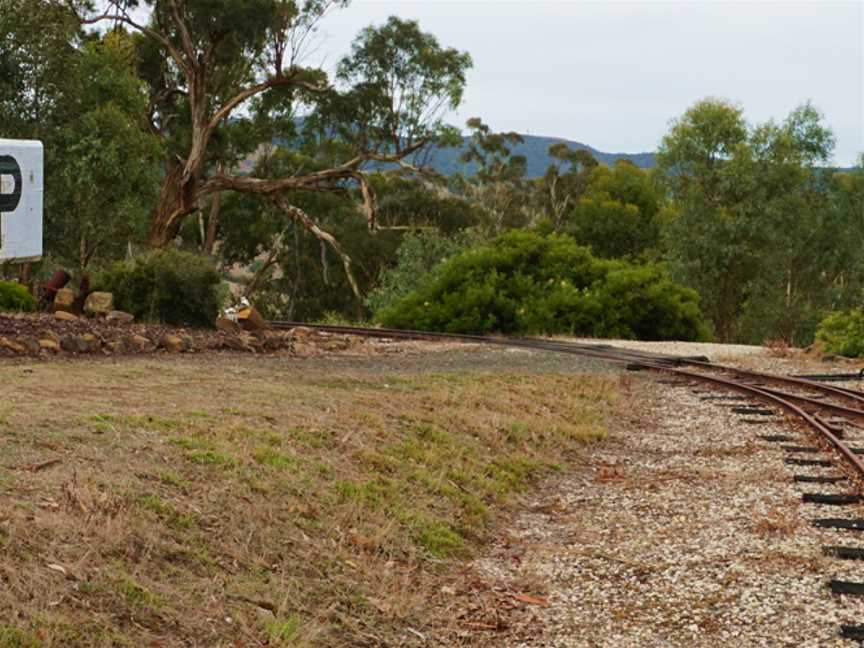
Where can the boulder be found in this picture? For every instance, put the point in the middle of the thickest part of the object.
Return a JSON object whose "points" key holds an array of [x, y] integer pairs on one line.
{"points": [[32, 345], [74, 344], [64, 300], [120, 317], [173, 343], [65, 316], [51, 346], [250, 319], [12, 345], [138, 343], [48, 334], [228, 325], [99, 304], [92, 342]]}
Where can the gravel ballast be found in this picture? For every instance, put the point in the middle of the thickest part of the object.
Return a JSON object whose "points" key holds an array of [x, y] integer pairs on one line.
{"points": [[685, 529]]}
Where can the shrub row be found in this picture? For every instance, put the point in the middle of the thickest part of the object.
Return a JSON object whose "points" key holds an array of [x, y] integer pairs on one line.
{"points": [[525, 283], [168, 286]]}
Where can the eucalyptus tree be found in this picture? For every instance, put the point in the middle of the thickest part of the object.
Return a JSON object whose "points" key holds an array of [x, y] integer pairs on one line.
{"points": [[226, 76], [495, 176], [751, 231], [564, 182], [81, 96]]}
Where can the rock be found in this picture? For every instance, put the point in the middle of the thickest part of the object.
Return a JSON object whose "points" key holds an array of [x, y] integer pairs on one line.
{"points": [[828, 357], [302, 332], [116, 346], [250, 341], [173, 343], [99, 304], [74, 344], [52, 346], [48, 334], [232, 342], [32, 345], [225, 324], [138, 343], [250, 319], [12, 345], [65, 316], [92, 342], [64, 300], [120, 317]]}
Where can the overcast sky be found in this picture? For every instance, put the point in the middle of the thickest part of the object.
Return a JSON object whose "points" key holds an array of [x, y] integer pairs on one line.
{"points": [[613, 74]]}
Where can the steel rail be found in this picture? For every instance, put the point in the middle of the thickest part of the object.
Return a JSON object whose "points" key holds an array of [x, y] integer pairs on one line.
{"points": [[774, 398], [838, 392]]}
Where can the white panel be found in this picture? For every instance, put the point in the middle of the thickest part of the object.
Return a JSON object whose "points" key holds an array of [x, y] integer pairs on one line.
{"points": [[21, 228]]}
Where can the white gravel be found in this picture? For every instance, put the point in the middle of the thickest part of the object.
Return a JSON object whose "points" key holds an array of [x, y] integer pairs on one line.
{"points": [[715, 352], [685, 529]]}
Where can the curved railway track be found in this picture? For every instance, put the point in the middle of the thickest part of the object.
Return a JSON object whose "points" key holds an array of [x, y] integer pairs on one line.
{"points": [[805, 402]]}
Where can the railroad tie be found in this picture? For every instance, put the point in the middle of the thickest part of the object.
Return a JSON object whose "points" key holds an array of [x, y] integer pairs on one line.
{"points": [[844, 553], [846, 587], [755, 411], [804, 449], [793, 461], [776, 438], [819, 479], [848, 524], [852, 632], [831, 499]]}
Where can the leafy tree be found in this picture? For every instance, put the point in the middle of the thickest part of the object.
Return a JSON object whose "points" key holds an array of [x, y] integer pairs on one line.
{"points": [[749, 215], [497, 182], [81, 97], [618, 214], [110, 165], [565, 181], [206, 62]]}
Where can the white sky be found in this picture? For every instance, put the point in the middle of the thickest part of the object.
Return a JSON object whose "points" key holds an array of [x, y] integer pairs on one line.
{"points": [[613, 74]]}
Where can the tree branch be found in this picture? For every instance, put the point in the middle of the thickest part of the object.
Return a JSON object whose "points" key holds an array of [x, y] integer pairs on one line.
{"points": [[302, 217]]}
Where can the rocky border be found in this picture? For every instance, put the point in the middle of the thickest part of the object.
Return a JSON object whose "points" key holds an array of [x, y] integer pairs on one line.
{"points": [[64, 334]]}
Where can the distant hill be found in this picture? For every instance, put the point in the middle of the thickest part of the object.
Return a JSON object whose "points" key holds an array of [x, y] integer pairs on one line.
{"points": [[535, 149]]}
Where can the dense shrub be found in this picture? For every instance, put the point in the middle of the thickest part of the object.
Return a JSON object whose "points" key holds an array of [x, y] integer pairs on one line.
{"points": [[168, 286], [417, 255], [523, 282], [843, 333], [15, 297]]}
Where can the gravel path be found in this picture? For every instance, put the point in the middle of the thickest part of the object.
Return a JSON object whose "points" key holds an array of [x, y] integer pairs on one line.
{"points": [[681, 531]]}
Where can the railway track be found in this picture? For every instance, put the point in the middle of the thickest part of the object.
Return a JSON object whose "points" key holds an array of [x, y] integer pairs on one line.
{"points": [[827, 413]]}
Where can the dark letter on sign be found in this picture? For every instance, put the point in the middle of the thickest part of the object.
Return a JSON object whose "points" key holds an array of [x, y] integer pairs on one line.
{"points": [[9, 167]]}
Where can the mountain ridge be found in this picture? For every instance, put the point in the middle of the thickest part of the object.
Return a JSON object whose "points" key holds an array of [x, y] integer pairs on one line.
{"points": [[535, 148]]}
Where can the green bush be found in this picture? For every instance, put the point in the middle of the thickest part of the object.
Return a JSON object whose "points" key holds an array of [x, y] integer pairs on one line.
{"points": [[417, 255], [168, 286], [843, 333], [523, 282], [15, 297]]}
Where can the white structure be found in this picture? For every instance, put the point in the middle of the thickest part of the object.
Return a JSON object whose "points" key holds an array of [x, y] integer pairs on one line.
{"points": [[21, 176]]}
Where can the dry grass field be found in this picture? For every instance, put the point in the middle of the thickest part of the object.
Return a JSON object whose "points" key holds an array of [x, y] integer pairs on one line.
{"points": [[222, 500]]}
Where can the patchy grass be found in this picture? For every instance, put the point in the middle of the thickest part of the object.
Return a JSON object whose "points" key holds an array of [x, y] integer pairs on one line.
{"points": [[224, 501]]}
